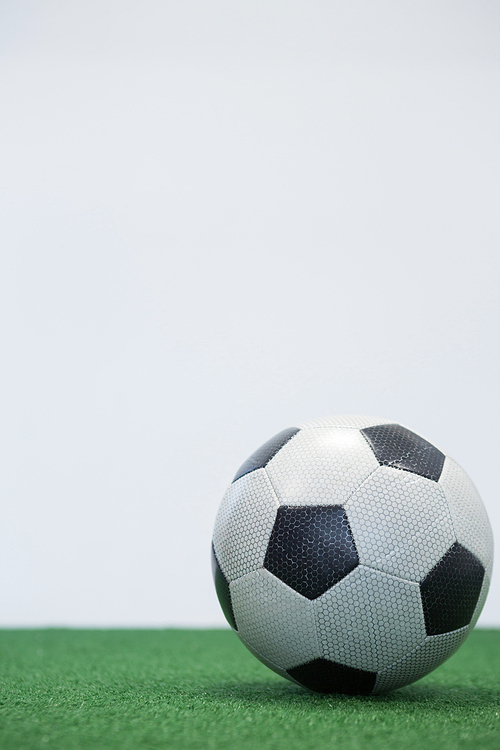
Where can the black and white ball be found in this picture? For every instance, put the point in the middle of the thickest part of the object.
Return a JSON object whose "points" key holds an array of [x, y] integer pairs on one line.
{"points": [[351, 555]]}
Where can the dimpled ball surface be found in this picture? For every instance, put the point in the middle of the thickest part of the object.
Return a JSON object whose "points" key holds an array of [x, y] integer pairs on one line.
{"points": [[351, 555]]}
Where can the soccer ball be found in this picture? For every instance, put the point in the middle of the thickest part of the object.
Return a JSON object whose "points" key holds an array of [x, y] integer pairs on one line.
{"points": [[351, 555]]}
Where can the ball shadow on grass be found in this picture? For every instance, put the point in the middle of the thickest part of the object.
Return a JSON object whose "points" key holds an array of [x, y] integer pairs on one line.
{"points": [[431, 696]]}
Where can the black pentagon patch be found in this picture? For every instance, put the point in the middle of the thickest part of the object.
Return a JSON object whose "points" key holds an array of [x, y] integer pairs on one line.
{"points": [[311, 548], [325, 676], [400, 448], [266, 452], [222, 589], [451, 590]]}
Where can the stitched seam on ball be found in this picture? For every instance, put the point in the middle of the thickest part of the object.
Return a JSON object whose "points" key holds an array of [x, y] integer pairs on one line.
{"points": [[409, 653], [384, 572], [360, 486], [447, 458], [389, 575], [272, 486]]}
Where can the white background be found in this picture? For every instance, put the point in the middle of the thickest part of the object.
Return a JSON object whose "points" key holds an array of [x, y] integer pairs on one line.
{"points": [[218, 219]]}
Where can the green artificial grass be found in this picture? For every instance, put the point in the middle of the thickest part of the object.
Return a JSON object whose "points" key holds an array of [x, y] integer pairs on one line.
{"points": [[189, 689]]}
